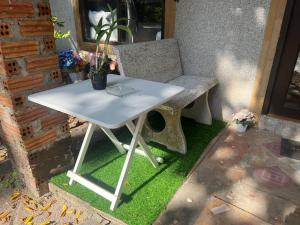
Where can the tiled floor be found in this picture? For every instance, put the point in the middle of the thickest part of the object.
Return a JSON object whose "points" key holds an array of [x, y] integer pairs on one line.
{"points": [[245, 173]]}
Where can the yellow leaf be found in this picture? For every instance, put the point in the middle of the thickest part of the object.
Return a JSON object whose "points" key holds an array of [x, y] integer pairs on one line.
{"points": [[46, 207], [15, 195], [45, 223], [28, 219], [70, 211], [49, 205], [63, 210], [28, 209], [78, 214]]}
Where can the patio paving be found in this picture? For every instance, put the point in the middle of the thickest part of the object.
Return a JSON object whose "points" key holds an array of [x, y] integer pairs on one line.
{"points": [[241, 172], [245, 173]]}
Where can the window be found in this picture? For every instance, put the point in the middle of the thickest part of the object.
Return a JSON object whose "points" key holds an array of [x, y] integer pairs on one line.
{"points": [[145, 19]]}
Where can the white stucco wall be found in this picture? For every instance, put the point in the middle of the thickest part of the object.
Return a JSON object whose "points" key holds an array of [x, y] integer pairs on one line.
{"points": [[222, 38], [64, 11]]}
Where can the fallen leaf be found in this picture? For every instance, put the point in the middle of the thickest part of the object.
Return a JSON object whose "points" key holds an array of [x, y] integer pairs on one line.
{"points": [[70, 211], [45, 223], [4, 214], [14, 196], [46, 207], [49, 205], [27, 220], [78, 214], [64, 210], [28, 209]]}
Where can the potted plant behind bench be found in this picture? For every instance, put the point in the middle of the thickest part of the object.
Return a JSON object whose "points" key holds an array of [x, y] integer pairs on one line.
{"points": [[98, 72]]}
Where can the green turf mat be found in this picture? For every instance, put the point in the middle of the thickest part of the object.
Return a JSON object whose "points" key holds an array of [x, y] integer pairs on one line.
{"points": [[147, 190]]}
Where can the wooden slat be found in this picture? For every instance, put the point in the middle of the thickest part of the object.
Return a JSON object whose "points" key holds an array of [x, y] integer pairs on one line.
{"points": [[170, 14], [268, 51]]}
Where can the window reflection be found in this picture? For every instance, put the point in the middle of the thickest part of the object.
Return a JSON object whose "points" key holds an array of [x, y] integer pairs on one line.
{"points": [[145, 18]]}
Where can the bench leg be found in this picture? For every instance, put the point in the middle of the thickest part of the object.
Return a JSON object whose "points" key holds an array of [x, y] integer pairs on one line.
{"points": [[172, 135], [200, 111]]}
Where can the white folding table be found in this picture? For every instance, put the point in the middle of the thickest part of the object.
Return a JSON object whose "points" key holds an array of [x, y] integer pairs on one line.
{"points": [[109, 112]]}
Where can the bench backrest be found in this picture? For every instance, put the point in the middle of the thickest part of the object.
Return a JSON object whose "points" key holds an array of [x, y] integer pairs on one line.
{"points": [[153, 60]]}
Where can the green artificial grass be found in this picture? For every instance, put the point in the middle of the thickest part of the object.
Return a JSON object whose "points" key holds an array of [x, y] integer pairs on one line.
{"points": [[147, 189]]}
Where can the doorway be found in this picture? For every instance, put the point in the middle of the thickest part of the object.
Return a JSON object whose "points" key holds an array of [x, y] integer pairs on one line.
{"points": [[283, 94]]}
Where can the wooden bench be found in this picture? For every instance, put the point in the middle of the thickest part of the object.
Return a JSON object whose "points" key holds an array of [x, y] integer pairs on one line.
{"points": [[160, 61]]}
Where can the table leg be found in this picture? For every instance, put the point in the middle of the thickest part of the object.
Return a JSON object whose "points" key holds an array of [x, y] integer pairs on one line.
{"points": [[83, 149], [114, 140], [128, 160], [131, 127]]}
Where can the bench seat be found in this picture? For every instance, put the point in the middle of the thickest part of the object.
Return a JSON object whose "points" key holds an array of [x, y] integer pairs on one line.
{"points": [[194, 87]]}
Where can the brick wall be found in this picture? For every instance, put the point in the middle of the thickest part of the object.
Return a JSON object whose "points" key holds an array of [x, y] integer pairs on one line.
{"points": [[38, 138]]}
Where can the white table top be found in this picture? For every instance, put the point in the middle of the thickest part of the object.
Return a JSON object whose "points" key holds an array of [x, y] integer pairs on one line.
{"points": [[82, 101]]}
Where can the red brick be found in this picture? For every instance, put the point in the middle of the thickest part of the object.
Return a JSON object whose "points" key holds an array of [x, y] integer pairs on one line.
{"points": [[30, 28], [54, 120], [42, 63], [44, 10], [23, 83], [25, 131], [49, 44], [30, 115], [9, 68], [55, 76], [39, 141], [6, 100], [15, 10], [18, 49], [5, 30], [12, 101]]}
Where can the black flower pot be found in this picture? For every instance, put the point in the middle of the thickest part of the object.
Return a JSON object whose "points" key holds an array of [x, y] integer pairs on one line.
{"points": [[99, 81]]}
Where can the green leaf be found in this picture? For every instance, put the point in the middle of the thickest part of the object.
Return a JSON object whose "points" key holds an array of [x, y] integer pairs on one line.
{"points": [[100, 22], [100, 35], [125, 28]]}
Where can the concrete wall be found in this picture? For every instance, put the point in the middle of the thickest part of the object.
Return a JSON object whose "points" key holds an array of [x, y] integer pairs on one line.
{"points": [[64, 11], [222, 38]]}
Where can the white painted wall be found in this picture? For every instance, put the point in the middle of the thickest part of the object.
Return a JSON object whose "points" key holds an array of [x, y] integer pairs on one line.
{"points": [[64, 11], [222, 38]]}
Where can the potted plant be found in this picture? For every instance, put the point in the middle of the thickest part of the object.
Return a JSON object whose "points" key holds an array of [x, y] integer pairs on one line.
{"points": [[98, 72], [243, 119]]}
